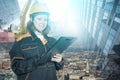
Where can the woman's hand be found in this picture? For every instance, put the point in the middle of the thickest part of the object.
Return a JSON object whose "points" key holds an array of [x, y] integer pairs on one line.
{"points": [[57, 58]]}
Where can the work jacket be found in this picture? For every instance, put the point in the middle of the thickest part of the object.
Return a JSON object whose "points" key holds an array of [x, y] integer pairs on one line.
{"points": [[27, 58]]}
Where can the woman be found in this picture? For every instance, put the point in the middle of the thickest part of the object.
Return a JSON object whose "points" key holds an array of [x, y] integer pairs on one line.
{"points": [[28, 54]]}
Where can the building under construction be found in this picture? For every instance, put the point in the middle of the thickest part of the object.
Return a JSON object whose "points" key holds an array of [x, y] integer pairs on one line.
{"points": [[95, 55]]}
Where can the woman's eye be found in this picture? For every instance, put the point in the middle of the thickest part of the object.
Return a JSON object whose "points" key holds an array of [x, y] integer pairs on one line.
{"points": [[45, 19], [39, 19]]}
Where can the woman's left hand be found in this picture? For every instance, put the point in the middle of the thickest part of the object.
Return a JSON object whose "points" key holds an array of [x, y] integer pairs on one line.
{"points": [[57, 58]]}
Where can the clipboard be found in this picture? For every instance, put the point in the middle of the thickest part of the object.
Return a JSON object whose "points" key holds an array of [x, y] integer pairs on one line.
{"points": [[61, 44]]}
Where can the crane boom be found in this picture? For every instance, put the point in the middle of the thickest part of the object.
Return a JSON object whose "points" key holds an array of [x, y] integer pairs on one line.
{"points": [[23, 18]]}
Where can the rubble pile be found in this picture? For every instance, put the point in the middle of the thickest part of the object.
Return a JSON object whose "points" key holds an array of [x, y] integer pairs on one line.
{"points": [[5, 70], [80, 66], [84, 65]]}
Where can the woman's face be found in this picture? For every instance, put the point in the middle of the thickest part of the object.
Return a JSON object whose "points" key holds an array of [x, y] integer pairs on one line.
{"points": [[40, 22]]}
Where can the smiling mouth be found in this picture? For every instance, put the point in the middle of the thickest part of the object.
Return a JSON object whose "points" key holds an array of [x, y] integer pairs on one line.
{"points": [[41, 25]]}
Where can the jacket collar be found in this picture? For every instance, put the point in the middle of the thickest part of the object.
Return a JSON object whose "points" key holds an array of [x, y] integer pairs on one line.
{"points": [[33, 35]]}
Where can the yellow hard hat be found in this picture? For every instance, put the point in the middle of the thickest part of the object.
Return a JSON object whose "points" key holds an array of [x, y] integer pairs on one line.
{"points": [[39, 7]]}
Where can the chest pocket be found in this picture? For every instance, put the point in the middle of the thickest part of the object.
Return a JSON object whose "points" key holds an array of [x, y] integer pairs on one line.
{"points": [[30, 50]]}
